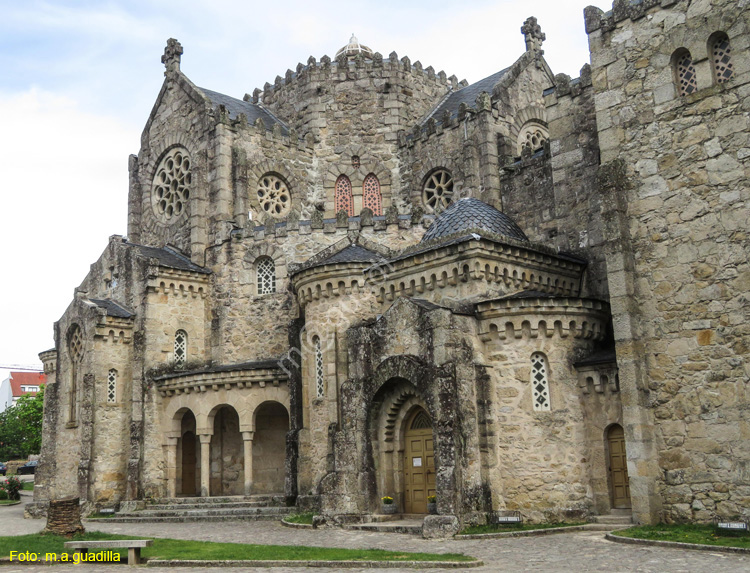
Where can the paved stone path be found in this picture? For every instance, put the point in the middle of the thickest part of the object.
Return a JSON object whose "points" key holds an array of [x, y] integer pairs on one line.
{"points": [[570, 552]]}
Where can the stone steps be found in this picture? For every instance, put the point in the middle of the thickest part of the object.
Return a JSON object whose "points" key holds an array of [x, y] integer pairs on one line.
{"points": [[614, 519], [223, 508], [410, 526], [271, 499]]}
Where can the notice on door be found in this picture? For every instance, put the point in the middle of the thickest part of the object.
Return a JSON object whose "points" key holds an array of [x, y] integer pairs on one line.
{"points": [[416, 462]]}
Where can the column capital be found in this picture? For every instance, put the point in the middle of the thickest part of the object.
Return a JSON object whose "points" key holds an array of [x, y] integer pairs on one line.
{"points": [[248, 436], [205, 438]]}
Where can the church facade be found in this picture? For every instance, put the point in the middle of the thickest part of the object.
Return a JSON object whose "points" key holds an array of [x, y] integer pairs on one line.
{"points": [[368, 279]]}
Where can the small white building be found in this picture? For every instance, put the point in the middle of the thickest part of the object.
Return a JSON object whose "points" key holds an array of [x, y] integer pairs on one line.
{"points": [[17, 384]]}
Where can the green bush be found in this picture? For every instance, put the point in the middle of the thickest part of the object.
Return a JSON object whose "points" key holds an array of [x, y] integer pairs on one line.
{"points": [[11, 487]]}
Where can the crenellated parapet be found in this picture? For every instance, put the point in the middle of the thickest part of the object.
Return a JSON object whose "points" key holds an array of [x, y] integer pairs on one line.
{"points": [[240, 377], [542, 317], [49, 361], [597, 19], [507, 265], [176, 283]]}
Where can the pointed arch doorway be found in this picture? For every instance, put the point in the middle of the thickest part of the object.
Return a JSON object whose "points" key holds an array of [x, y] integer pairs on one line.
{"points": [[419, 462]]}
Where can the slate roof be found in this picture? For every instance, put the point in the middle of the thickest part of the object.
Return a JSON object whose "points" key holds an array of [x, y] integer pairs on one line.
{"points": [[170, 258], [252, 110], [253, 365], [350, 254], [602, 357], [467, 95], [112, 308], [469, 214], [353, 254]]}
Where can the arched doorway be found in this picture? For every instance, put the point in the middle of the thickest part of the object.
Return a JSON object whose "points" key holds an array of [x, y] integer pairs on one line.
{"points": [[189, 474], [618, 468], [269, 448], [227, 454], [419, 462]]}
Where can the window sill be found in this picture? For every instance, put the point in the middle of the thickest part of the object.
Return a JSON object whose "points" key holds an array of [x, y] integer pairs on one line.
{"points": [[71, 425]]}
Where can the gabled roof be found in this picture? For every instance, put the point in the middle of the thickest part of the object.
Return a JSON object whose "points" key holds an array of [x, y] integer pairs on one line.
{"points": [[18, 379], [467, 95], [113, 308], [170, 258], [252, 111]]}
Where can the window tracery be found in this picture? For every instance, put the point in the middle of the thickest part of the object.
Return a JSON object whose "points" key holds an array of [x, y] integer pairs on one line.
{"points": [[540, 382], [343, 200], [437, 192], [372, 198], [532, 137], [180, 348], [319, 379], [685, 72], [75, 350], [721, 57], [171, 187], [112, 386], [266, 274], [274, 195]]}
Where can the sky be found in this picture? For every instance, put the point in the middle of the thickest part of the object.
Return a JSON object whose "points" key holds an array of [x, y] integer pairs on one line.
{"points": [[78, 80]]}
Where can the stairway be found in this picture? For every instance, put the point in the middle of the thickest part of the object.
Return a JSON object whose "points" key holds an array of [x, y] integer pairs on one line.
{"points": [[617, 518], [396, 523], [224, 508]]}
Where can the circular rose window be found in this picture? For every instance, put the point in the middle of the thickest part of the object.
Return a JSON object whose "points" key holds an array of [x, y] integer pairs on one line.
{"points": [[438, 190], [171, 189], [274, 196]]}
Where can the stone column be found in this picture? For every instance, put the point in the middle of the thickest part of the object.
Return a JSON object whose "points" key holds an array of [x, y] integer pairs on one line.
{"points": [[171, 467], [205, 464], [248, 442]]}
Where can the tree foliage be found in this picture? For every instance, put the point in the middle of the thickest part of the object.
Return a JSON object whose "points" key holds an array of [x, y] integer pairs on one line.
{"points": [[21, 427]]}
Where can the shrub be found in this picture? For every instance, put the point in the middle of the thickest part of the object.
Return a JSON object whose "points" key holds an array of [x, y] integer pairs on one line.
{"points": [[11, 487], [431, 499], [387, 500]]}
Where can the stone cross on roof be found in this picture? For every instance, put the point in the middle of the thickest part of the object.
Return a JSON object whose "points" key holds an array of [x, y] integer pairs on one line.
{"points": [[171, 57], [533, 34]]}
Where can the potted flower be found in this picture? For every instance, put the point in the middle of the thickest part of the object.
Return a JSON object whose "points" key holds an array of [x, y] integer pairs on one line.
{"points": [[388, 506], [432, 504]]}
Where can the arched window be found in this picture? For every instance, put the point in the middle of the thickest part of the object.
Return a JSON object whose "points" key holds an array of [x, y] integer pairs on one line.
{"points": [[265, 270], [532, 136], [540, 382], [180, 348], [720, 53], [75, 349], [343, 198], [371, 197], [112, 386], [319, 381], [684, 72]]}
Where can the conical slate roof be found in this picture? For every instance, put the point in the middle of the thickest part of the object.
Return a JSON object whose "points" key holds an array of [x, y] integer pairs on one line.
{"points": [[469, 214]]}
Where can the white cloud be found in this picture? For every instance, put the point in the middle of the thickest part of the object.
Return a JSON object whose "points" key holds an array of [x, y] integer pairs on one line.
{"points": [[64, 191]]}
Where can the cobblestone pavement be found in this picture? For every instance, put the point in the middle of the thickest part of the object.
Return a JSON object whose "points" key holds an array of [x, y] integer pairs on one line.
{"points": [[577, 552]]}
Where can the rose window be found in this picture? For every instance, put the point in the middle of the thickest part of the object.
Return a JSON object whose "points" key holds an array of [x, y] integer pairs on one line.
{"points": [[274, 196], [438, 190], [171, 189]]}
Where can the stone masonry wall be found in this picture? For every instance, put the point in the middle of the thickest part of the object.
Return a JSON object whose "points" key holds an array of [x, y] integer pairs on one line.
{"points": [[674, 169]]}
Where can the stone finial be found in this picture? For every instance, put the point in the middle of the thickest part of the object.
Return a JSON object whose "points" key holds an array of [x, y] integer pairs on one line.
{"points": [[256, 95], [342, 219], [171, 57], [533, 34]]}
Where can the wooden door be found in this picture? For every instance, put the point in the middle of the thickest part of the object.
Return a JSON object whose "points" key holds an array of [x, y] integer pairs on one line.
{"points": [[618, 468], [419, 463], [188, 463]]}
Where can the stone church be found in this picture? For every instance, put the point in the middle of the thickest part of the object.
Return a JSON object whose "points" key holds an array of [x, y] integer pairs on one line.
{"points": [[526, 294]]}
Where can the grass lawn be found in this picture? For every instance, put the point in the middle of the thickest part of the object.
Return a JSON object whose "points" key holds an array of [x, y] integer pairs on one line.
{"points": [[305, 518], [204, 550], [28, 486], [706, 534], [506, 528], [8, 502]]}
